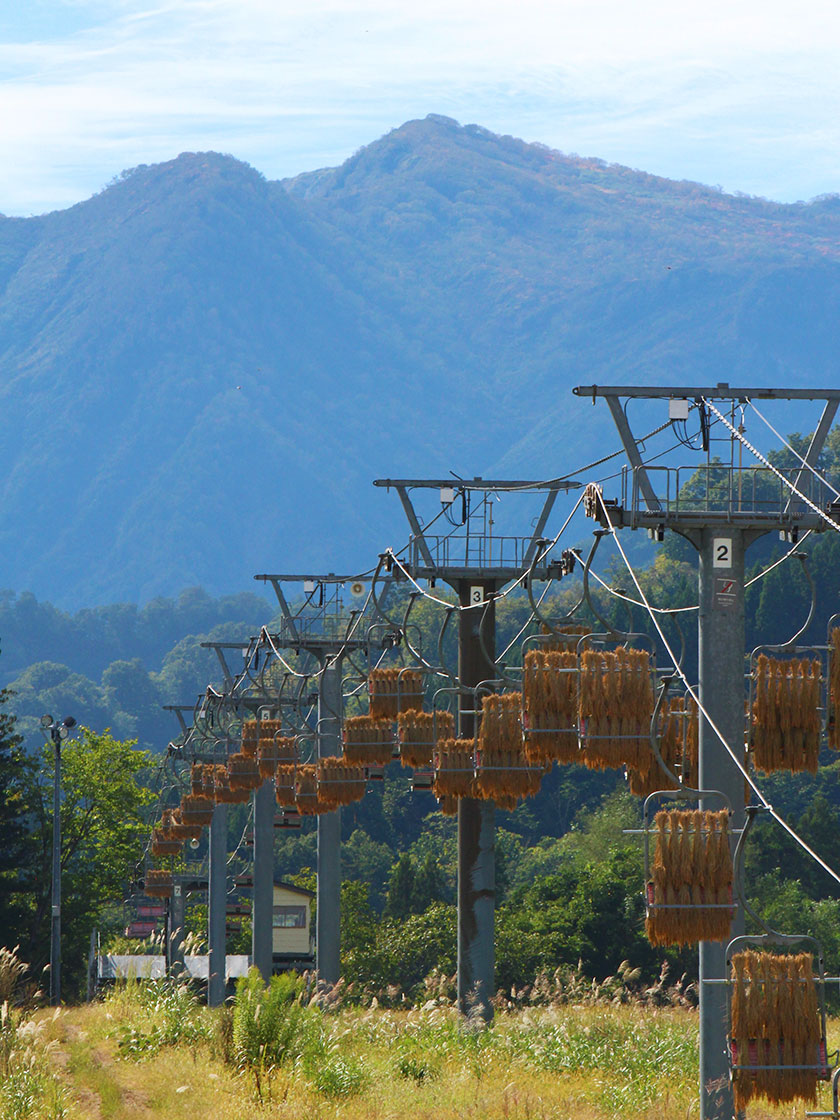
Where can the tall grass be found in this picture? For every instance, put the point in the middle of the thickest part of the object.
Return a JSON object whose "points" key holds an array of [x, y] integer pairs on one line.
{"points": [[159, 1013]]}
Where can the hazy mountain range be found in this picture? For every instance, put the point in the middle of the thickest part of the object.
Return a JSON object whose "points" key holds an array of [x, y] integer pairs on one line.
{"points": [[201, 371]]}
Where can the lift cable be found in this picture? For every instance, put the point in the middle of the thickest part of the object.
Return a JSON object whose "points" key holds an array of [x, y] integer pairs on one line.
{"points": [[682, 610], [694, 693], [793, 451], [786, 481]]}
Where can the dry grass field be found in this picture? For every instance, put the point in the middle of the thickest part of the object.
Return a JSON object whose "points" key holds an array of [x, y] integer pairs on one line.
{"points": [[153, 1054]]}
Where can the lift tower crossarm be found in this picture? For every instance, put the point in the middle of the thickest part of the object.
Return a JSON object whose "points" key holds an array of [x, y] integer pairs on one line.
{"points": [[284, 603], [632, 450], [721, 391], [413, 521], [548, 505], [219, 648]]}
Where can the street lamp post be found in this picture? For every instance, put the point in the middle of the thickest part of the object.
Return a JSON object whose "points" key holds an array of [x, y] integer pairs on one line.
{"points": [[56, 732]]}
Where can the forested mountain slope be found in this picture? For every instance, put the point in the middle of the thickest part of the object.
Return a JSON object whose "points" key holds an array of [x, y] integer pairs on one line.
{"points": [[201, 371]]}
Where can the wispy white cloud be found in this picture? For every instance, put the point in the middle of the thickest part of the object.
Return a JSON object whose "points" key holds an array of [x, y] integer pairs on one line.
{"points": [[744, 94]]}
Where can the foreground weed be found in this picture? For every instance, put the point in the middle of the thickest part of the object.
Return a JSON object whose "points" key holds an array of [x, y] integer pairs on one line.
{"points": [[28, 1088], [169, 1016]]}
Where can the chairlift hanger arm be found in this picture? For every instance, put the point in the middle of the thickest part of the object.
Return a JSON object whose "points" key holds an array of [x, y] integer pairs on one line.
{"points": [[802, 557], [617, 635]]}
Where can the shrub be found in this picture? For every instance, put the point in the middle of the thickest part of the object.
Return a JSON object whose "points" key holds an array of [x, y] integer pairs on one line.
{"points": [[270, 1027]]}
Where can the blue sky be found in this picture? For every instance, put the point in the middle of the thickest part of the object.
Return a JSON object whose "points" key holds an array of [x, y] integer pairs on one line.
{"points": [[736, 93]]}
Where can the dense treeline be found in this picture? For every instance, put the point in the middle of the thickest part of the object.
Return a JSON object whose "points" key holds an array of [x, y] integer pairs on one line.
{"points": [[568, 881]]}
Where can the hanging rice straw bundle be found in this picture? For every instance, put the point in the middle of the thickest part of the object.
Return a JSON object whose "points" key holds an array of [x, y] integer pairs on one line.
{"points": [[269, 729], [184, 830], [677, 745], [274, 751], [284, 784], [250, 737], [550, 685], [196, 810], [503, 774], [244, 772], [197, 779], [690, 893], [307, 794], [395, 690], [339, 782], [164, 841], [834, 688], [222, 793], [368, 741], [158, 883], [616, 706], [775, 1022], [454, 768], [419, 733], [786, 722]]}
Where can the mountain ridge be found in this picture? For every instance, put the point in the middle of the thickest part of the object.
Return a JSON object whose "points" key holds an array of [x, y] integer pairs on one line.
{"points": [[201, 370]]}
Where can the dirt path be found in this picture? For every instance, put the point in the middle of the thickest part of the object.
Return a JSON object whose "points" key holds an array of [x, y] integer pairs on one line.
{"points": [[93, 1079]]}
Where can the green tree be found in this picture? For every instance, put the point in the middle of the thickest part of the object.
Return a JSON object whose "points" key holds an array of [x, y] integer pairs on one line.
{"points": [[102, 829], [16, 849], [400, 888]]}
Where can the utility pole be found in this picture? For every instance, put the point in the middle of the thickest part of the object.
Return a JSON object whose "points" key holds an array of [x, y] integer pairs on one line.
{"points": [[56, 733], [720, 525], [476, 565]]}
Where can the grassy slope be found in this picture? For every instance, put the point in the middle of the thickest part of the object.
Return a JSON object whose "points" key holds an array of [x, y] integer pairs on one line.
{"points": [[624, 1063]]}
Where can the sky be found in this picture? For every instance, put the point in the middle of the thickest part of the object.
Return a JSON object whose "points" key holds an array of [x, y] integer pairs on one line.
{"points": [[741, 94]]}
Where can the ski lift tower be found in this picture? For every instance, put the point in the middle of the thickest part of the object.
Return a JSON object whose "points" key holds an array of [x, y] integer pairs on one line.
{"points": [[322, 628], [727, 507], [476, 564]]}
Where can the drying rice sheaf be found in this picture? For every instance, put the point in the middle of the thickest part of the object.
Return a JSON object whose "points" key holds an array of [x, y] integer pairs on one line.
{"points": [[786, 721], [690, 895], [250, 737], [503, 773], [550, 703], [368, 740], [454, 768], [420, 732], [834, 688], [340, 782], [776, 1021], [616, 706], [393, 691], [678, 734]]}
